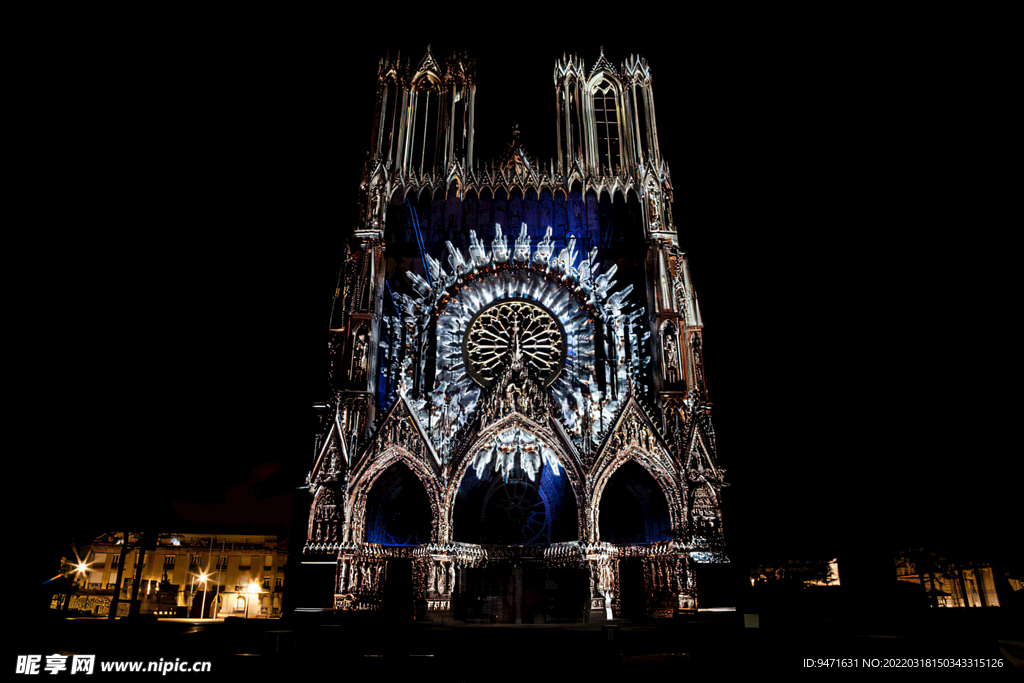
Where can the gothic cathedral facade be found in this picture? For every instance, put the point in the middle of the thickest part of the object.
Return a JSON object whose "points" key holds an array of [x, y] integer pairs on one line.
{"points": [[519, 422]]}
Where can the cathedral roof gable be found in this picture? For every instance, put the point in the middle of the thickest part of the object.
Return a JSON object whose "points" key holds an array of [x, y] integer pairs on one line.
{"points": [[400, 427], [602, 65], [630, 407], [419, 428], [698, 455], [428, 68], [699, 446], [334, 443]]}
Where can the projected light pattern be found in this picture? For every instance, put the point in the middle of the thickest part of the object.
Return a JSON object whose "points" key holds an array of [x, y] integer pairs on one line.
{"points": [[515, 492], [515, 452], [571, 289]]}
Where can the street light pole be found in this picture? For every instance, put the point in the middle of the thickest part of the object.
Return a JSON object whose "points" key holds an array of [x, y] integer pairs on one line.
{"points": [[116, 600], [147, 541], [191, 588], [220, 560]]}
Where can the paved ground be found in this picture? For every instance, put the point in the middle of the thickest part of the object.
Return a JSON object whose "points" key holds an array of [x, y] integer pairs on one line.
{"points": [[706, 642]]}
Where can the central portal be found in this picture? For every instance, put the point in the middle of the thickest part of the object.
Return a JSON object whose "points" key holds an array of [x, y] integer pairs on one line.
{"points": [[514, 512], [518, 593], [515, 500], [513, 495]]}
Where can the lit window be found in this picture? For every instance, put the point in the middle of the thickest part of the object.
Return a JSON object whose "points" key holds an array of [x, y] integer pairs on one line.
{"points": [[606, 120]]}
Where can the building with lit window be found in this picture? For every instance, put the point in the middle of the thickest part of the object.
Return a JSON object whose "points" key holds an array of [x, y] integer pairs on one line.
{"points": [[519, 426], [817, 572], [183, 575], [948, 583]]}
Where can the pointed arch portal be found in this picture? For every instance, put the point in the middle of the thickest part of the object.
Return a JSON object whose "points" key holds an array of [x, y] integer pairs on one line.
{"points": [[397, 509], [490, 510], [633, 508], [515, 502]]}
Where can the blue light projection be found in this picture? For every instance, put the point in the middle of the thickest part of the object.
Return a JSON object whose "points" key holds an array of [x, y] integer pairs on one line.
{"points": [[518, 511], [633, 508], [397, 509]]}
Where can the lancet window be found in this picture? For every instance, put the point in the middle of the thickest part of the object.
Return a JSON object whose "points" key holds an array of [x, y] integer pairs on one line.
{"points": [[606, 126], [390, 103], [424, 123]]}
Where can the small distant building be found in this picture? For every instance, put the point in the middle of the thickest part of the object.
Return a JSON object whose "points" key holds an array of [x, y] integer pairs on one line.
{"points": [[948, 583], [185, 575], [808, 572]]}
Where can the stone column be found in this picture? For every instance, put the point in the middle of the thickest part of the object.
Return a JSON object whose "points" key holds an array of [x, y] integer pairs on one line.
{"points": [[517, 584], [344, 598], [687, 585], [601, 588], [439, 584], [616, 588]]}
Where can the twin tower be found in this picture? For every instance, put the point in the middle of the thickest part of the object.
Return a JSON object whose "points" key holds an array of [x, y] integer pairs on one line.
{"points": [[518, 402]]}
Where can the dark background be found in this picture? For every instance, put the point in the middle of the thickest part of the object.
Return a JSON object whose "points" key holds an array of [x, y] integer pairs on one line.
{"points": [[195, 207]]}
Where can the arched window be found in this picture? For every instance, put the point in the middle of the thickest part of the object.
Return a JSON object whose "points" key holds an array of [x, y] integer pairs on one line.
{"points": [[460, 123], [389, 110], [606, 126], [515, 492], [643, 116], [633, 508], [425, 126], [571, 128], [398, 509], [422, 134]]}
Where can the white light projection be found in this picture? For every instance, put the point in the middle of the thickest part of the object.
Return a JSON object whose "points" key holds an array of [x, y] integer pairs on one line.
{"points": [[515, 451], [576, 294]]}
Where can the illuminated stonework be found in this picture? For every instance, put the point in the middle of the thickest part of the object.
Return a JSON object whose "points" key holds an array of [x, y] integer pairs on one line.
{"points": [[518, 393]]}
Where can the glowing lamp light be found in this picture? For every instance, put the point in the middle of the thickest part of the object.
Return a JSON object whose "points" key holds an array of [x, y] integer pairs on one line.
{"points": [[252, 589], [81, 567]]}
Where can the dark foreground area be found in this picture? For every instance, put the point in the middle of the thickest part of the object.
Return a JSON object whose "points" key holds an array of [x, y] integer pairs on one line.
{"points": [[364, 644]]}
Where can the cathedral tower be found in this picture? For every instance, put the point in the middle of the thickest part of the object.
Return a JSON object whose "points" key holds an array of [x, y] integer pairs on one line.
{"points": [[518, 394]]}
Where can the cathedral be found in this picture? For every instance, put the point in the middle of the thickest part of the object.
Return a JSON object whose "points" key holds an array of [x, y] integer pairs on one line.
{"points": [[519, 428]]}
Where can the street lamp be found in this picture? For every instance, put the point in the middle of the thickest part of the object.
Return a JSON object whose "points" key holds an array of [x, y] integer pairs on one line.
{"points": [[252, 590], [202, 605], [80, 569], [71, 582]]}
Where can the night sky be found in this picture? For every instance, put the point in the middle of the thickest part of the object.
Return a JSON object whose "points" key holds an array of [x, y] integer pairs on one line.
{"points": [[810, 192]]}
